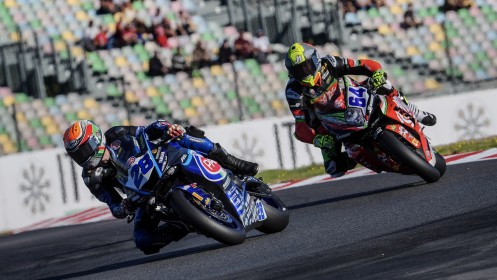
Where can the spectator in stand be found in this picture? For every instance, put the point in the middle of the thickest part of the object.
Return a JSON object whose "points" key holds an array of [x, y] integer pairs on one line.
{"points": [[363, 4], [120, 3], [127, 11], [169, 28], [243, 47], [349, 7], [350, 16], [200, 56], [185, 23], [454, 5], [142, 31], [89, 36], [155, 66], [179, 63], [106, 7], [157, 18], [378, 3], [130, 36], [160, 36], [262, 46], [119, 33], [101, 40], [226, 53], [409, 18]]}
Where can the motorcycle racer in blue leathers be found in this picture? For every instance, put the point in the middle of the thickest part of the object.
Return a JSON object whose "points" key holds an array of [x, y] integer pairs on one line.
{"points": [[88, 146]]}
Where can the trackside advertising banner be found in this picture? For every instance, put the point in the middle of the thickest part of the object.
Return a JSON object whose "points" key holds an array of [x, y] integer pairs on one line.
{"points": [[46, 184]]}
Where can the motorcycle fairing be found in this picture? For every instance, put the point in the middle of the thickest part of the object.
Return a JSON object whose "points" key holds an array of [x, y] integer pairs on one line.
{"points": [[141, 173], [395, 109], [198, 193], [400, 130], [241, 200], [371, 160]]}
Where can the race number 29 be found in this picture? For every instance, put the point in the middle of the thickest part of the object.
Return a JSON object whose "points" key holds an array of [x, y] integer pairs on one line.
{"points": [[358, 100]]}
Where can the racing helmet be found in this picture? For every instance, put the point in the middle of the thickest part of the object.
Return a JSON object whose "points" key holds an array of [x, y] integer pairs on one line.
{"points": [[85, 143], [303, 64]]}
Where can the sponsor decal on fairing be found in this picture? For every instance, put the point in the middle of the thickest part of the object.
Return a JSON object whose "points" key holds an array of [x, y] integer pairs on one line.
{"points": [[129, 162], [162, 157], [183, 158], [354, 117], [195, 139], [115, 145], [227, 182], [326, 74], [197, 196], [209, 168], [402, 131], [333, 61]]}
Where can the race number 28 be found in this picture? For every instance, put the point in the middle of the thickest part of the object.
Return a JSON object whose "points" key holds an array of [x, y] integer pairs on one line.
{"points": [[140, 169], [358, 100]]}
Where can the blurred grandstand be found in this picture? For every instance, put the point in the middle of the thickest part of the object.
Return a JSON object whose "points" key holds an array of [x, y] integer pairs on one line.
{"points": [[48, 79]]}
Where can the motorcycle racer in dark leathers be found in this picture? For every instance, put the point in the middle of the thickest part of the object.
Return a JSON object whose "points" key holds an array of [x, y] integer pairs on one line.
{"points": [[88, 146], [314, 86]]}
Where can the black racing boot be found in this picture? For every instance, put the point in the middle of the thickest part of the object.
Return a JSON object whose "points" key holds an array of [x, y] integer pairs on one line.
{"points": [[165, 234], [233, 163], [344, 163], [336, 165]]}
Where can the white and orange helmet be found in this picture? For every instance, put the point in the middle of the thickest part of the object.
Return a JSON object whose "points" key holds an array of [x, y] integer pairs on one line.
{"points": [[85, 143]]}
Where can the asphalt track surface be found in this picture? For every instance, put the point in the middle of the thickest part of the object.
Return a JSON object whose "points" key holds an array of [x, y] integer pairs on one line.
{"points": [[385, 226]]}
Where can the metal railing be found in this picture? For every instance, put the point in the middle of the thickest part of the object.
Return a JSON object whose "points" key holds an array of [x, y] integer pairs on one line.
{"points": [[24, 67], [283, 21]]}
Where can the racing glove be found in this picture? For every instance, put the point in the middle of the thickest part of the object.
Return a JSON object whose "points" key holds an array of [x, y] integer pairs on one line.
{"points": [[378, 79], [175, 130], [323, 141], [99, 175], [124, 209]]}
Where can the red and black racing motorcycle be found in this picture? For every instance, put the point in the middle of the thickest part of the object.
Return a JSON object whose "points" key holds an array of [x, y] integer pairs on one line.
{"points": [[379, 133]]}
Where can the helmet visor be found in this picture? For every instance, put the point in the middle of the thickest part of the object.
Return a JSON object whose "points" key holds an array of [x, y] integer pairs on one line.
{"points": [[85, 152], [306, 68]]}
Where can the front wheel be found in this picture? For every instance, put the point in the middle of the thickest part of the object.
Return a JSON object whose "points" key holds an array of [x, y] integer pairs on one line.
{"points": [[440, 163], [394, 147], [220, 225], [277, 215]]}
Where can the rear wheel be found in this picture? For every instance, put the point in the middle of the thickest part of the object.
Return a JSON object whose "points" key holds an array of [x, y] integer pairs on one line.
{"points": [[394, 147], [217, 224]]}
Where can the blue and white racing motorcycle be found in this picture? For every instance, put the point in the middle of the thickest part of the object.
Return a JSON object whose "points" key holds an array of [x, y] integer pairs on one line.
{"points": [[151, 174]]}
